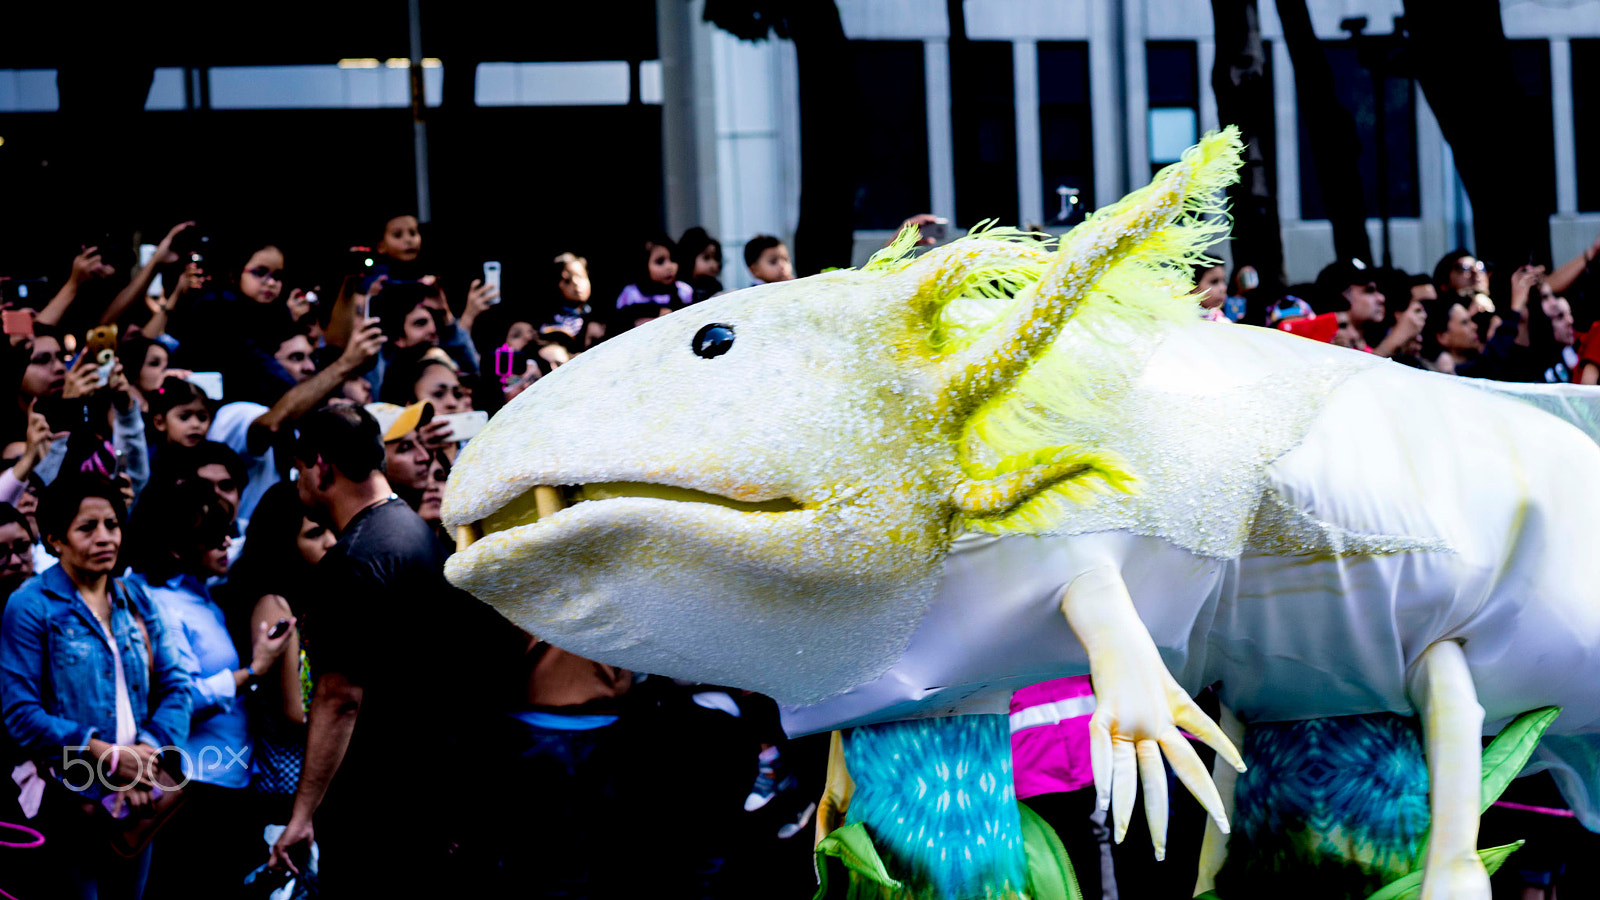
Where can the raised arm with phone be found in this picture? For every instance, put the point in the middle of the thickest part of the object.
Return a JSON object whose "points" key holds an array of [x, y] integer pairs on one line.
{"points": [[304, 397], [136, 288]]}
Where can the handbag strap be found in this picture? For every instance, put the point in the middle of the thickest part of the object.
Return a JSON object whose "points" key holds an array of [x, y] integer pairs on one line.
{"points": [[144, 632]]}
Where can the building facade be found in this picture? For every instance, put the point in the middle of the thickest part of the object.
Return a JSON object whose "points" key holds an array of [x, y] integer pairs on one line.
{"points": [[1101, 94]]}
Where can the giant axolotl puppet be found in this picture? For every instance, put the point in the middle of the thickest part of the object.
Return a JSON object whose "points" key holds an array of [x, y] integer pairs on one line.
{"points": [[906, 491]]}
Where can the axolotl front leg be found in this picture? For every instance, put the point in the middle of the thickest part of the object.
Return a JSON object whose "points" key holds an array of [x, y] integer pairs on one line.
{"points": [[1139, 708], [1441, 688]]}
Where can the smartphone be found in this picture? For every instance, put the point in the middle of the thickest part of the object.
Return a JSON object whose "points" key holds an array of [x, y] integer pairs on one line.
{"points": [[61, 413], [1248, 279], [491, 277], [105, 361], [209, 383], [938, 229], [17, 322], [192, 245], [278, 629], [465, 426], [23, 291]]}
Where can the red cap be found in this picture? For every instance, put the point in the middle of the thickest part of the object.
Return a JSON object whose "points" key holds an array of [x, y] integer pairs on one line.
{"points": [[1317, 328]]}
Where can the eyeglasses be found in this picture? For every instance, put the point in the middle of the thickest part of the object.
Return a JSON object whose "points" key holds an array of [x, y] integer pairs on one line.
{"points": [[1473, 267], [265, 274]]}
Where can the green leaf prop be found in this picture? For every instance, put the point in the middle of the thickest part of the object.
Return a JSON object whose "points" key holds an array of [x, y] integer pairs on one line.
{"points": [[1050, 875], [1409, 887], [1509, 751], [852, 846]]}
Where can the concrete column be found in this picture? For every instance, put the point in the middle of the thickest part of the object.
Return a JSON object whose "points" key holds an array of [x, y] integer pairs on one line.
{"points": [[1566, 139], [680, 145], [941, 144], [1206, 57], [1433, 182], [1136, 93], [1106, 101], [1030, 165], [1286, 117]]}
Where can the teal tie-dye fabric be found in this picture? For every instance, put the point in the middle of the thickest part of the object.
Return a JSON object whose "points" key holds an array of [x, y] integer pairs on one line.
{"points": [[1330, 808], [937, 797]]}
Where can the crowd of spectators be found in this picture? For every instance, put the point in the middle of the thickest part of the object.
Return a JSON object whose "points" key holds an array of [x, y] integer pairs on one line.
{"points": [[228, 651], [227, 638], [1469, 317]]}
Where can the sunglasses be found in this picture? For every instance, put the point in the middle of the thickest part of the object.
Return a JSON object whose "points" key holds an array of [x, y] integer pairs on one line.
{"points": [[20, 550], [265, 274]]}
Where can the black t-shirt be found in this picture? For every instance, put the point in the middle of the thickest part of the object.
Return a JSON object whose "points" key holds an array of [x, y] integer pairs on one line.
{"points": [[432, 661]]}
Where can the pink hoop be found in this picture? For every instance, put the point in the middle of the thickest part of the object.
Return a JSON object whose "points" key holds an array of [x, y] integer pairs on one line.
{"points": [[38, 837]]}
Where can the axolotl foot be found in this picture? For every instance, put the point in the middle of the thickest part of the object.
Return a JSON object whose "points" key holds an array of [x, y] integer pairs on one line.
{"points": [[1139, 709]]}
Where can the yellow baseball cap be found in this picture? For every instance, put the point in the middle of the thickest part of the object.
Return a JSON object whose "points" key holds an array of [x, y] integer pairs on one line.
{"points": [[395, 422]]}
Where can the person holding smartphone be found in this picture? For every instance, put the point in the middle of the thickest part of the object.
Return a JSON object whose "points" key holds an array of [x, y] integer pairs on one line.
{"points": [[380, 584], [180, 540]]}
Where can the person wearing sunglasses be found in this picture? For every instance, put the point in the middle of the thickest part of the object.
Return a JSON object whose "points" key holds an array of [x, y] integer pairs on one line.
{"points": [[247, 294]]}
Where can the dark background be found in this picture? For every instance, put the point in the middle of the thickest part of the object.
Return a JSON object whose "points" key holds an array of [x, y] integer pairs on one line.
{"points": [[513, 184]]}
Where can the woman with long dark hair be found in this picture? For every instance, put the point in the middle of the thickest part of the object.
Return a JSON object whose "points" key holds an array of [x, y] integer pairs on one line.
{"points": [[270, 584], [181, 539]]}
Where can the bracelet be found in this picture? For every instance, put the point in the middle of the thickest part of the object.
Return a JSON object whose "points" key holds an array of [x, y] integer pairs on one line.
{"points": [[253, 673]]}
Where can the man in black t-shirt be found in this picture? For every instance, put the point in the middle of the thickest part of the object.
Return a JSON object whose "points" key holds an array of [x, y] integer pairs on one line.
{"points": [[405, 664]]}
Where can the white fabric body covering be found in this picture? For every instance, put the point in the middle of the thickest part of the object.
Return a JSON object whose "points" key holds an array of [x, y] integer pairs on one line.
{"points": [[1464, 515]]}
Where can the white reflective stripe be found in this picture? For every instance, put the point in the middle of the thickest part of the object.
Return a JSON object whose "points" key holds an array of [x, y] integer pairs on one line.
{"points": [[1051, 713]]}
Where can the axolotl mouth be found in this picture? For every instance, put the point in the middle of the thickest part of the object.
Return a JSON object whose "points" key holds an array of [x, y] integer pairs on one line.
{"points": [[543, 501]]}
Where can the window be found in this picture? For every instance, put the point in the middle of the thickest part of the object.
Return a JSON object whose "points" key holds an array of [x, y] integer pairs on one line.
{"points": [[1066, 134], [28, 90], [593, 83], [983, 120], [1353, 88], [1586, 120], [1530, 62], [1173, 81], [352, 84], [892, 154]]}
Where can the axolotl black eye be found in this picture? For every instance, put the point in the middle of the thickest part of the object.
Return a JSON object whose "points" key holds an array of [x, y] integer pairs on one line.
{"points": [[713, 340]]}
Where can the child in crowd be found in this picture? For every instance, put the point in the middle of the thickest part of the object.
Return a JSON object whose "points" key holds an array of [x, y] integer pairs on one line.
{"points": [[699, 260], [768, 259], [569, 313], [658, 284], [180, 413], [1211, 286]]}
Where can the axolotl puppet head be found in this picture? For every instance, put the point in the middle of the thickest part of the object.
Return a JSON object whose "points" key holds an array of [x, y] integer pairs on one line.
{"points": [[759, 490]]}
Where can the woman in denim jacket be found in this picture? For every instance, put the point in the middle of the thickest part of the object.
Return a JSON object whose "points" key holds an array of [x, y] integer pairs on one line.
{"points": [[82, 690]]}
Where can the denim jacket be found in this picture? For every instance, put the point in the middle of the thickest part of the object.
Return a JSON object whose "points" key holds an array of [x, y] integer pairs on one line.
{"points": [[57, 687]]}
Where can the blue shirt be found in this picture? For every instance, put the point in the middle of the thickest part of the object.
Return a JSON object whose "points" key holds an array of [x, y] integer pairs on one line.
{"points": [[57, 687], [218, 747]]}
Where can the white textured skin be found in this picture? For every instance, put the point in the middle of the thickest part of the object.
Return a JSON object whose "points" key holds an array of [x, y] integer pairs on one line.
{"points": [[801, 605], [807, 604]]}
